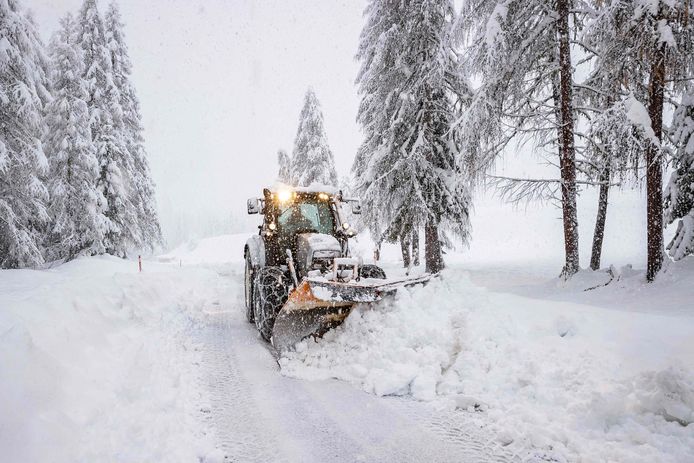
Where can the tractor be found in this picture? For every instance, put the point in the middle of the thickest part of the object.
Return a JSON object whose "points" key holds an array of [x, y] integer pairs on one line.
{"points": [[300, 278]]}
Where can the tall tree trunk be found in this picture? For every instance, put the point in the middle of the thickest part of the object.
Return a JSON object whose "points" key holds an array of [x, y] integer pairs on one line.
{"points": [[567, 155], [405, 248], [654, 169], [415, 247], [599, 233], [432, 248]]}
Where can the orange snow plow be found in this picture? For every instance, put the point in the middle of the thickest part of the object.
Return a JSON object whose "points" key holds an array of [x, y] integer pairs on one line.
{"points": [[317, 305]]}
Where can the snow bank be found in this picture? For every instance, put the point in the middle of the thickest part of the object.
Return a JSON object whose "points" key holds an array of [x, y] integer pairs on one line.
{"points": [[215, 250], [579, 382], [94, 364]]}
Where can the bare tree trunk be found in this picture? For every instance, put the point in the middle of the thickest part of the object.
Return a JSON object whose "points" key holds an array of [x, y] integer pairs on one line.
{"points": [[567, 155], [415, 247], [654, 168], [600, 220], [432, 248], [405, 248]]}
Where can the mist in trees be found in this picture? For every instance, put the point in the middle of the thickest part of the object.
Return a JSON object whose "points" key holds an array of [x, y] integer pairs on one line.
{"points": [[74, 176]]}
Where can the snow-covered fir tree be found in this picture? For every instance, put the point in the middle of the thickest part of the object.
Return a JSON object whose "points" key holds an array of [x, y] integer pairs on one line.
{"points": [[106, 117], [522, 52], [679, 194], [76, 206], [24, 92], [656, 39], [135, 169], [312, 160], [284, 173], [407, 170]]}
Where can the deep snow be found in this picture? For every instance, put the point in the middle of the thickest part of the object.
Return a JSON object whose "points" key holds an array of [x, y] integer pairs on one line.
{"points": [[95, 364], [493, 361]]}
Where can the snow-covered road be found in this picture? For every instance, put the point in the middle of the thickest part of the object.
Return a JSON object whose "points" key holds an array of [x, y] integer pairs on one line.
{"points": [[257, 414], [492, 364]]}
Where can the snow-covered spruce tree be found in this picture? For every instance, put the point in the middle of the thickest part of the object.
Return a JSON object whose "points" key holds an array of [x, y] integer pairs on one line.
{"points": [[24, 92], [412, 93], [284, 174], [312, 160], [137, 177], [679, 194], [658, 43], [76, 205], [522, 52], [106, 119]]}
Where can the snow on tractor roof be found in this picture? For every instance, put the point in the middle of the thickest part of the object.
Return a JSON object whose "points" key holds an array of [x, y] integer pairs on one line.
{"points": [[313, 188]]}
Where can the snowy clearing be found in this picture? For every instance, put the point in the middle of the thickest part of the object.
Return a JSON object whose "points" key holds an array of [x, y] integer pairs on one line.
{"points": [[484, 364]]}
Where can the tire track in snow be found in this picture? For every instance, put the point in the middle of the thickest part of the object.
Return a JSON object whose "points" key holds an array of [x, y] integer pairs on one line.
{"points": [[238, 436], [259, 415]]}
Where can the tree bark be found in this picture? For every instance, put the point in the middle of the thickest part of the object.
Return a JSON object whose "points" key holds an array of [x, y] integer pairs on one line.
{"points": [[415, 247], [432, 248], [654, 168], [567, 155], [599, 233], [405, 249]]}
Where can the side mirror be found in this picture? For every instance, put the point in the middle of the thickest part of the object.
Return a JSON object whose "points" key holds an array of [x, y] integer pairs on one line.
{"points": [[356, 207], [253, 205]]}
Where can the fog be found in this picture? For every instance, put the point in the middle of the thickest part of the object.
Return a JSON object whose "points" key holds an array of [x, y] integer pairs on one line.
{"points": [[221, 84]]}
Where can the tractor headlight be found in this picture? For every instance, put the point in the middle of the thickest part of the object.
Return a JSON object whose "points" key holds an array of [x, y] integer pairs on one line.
{"points": [[323, 196], [272, 226], [345, 226], [284, 195]]}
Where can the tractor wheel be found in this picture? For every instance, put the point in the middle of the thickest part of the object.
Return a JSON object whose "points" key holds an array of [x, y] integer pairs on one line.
{"points": [[248, 288], [270, 292], [371, 271]]}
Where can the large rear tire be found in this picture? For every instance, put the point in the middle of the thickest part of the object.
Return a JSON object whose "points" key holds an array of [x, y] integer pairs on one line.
{"points": [[248, 288], [270, 292]]}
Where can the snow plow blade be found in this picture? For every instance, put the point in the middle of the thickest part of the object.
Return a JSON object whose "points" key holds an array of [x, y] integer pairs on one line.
{"points": [[318, 305]]}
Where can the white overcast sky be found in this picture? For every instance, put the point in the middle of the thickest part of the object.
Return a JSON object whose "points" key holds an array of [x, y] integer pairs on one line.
{"points": [[221, 83]]}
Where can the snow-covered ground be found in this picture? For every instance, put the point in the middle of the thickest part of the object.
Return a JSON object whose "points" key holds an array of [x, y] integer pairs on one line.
{"points": [[491, 362]]}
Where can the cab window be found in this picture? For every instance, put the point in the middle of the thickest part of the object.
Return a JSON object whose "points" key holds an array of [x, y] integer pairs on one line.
{"points": [[309, 217]]}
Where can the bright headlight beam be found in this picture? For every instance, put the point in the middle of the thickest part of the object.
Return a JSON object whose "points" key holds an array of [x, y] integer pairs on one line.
{"points": [[284, 196], [323, 196]]}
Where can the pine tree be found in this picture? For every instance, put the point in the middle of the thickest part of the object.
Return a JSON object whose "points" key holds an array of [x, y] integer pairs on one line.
{"points": [[106, 117], [24, 92], [658, 43], [679, 194], [522, 51], [412, 93], [142, 214], [76, 206], [284, 174], [312, 160]]}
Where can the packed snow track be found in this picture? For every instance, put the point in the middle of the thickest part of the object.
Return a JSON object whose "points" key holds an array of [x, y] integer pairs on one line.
{"points": [[256, 414]]}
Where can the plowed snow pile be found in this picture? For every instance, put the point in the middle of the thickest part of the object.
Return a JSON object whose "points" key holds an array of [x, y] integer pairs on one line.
{"points": [[581, 382], [95, 364]]}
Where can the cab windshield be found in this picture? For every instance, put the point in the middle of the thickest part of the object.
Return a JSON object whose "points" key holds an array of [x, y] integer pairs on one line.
{"points": [[306, 217]]}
